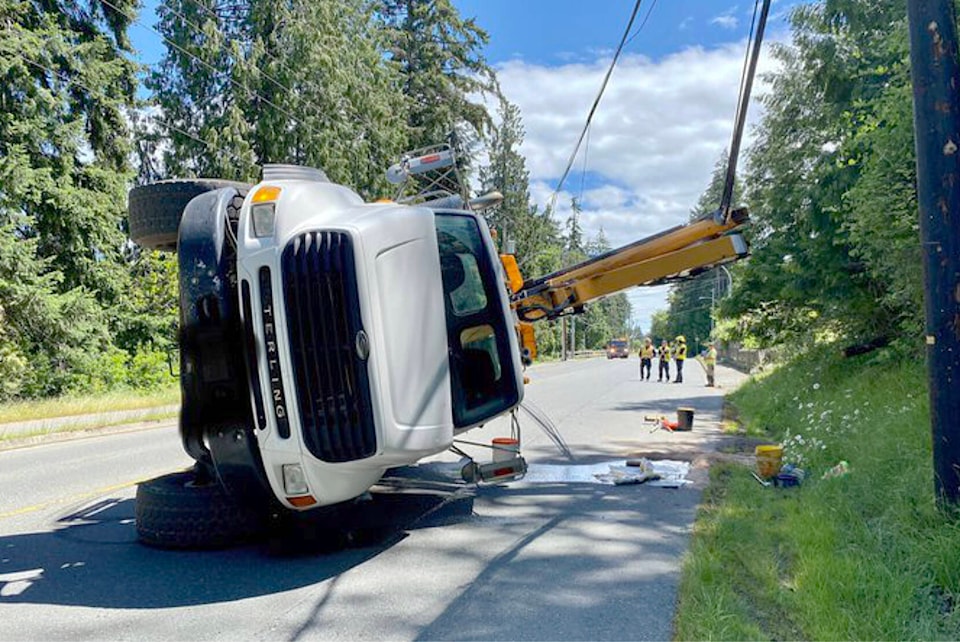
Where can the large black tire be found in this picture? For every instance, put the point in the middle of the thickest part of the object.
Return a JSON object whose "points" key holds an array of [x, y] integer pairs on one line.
{"points": [[154, 210], [174, 512]]}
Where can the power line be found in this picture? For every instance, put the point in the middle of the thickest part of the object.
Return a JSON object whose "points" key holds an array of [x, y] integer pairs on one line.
{"points": [[222, 38], [642, 23], [746, 84], [596, 102], [583, 174], [71, 81], [192, 56]]}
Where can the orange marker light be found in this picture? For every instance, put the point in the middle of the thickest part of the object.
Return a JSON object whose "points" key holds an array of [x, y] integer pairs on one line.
{"points": [[302, 501], [266, 194]]}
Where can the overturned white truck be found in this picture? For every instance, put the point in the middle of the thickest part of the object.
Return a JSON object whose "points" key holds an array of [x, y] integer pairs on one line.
{"points": [[324, 340]]}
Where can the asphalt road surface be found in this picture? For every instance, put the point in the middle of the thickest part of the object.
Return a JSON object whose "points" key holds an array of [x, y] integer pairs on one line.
{"points": [[552, 557]]}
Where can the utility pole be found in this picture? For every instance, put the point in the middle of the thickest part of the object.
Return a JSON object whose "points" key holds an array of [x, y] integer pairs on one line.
{"points": [[936, 116], [563, 338], [573, 337]]}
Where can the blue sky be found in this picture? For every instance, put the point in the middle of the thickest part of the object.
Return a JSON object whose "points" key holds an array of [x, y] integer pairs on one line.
{"points": [[665, 118]]}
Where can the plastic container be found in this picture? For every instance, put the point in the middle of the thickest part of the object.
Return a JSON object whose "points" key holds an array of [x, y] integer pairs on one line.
{"points": [[684, 419], [505, 448], [769, 460]]}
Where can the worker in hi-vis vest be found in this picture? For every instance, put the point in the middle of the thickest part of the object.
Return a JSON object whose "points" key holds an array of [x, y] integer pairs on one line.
{"points": [[710, 363], [646, 358], [663, 352], [680, 355]]}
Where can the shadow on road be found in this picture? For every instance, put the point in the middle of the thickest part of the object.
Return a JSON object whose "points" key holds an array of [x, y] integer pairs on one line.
{"points": [[92, 557], [600, 562]]}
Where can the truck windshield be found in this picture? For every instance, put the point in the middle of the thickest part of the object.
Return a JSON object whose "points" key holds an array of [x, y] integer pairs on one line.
{"points": [[481, 366]]}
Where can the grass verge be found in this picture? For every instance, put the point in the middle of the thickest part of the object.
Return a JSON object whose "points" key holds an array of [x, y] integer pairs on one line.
{"points": [[865, 556], [72, 406], [70, 431]]}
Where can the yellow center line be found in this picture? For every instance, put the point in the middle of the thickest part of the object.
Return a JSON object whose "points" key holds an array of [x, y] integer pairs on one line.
{"points": [[76, 497]]}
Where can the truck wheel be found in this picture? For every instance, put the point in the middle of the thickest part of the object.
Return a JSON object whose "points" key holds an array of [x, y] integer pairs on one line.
{"points": [[154, 210], [173, 512]]}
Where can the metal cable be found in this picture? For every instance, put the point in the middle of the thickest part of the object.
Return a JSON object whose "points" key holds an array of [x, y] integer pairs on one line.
{"points": [[97, 94], [192, 56], [642, 24], [596, 102], [741, 115]]}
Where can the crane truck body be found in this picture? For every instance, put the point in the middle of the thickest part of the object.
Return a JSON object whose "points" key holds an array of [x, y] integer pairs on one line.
{"points": [[325, 340]]}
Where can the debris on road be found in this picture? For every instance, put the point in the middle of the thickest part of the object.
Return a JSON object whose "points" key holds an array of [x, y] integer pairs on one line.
{"points": [[669, 473]]}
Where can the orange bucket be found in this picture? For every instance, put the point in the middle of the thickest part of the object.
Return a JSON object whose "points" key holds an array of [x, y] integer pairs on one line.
{"points": [[505, 448]]}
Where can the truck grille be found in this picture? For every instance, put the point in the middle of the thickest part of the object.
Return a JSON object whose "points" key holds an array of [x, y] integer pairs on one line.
{"points": [[328, 346]]}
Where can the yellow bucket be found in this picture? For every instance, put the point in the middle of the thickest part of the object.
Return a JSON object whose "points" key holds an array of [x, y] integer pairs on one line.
{"points": [[768, 460]]}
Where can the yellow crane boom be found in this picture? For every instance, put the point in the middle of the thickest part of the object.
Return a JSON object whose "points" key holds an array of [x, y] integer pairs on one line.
{"points": [[677, 253]]}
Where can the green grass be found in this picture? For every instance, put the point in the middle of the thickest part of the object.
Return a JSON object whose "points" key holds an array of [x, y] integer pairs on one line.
{"points": [[71, 406], [27, 436], [866, 556]]}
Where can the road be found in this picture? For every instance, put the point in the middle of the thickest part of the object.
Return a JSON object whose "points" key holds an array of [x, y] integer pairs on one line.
{"points": [[538, 559]]}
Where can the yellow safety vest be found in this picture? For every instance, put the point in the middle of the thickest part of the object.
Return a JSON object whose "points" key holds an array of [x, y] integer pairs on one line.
{"points": [[711, 358], [646, 352], [681, 352], [664, 353]]}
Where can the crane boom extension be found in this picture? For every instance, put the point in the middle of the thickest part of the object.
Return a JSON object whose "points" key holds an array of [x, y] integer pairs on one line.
{"points": [[679, 252]]}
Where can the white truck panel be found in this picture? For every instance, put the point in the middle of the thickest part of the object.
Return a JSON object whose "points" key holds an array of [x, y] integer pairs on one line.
{"points": [[401, 294]]}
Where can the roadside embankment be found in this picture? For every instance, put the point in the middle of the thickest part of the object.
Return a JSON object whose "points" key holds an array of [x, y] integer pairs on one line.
{"points": [[60, 418], [863, 555]]}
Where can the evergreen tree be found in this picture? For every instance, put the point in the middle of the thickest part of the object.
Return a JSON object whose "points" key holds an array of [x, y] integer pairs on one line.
{"points": [[270, 81], [609, 317], [507, 173], [533, 232], [439, 56], [691, 302], [64, 167], [804, 278]]}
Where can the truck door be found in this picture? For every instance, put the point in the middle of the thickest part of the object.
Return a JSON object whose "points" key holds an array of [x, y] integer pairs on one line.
{"points": [[482, 369]]}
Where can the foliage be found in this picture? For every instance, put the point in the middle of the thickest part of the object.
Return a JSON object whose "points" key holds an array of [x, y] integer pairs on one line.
{"points": [[64, 166], [862, 556], [438, 56], [691, 302], [231, 99], [830, 183]]}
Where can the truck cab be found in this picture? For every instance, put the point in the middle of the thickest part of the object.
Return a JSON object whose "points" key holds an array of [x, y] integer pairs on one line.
{"points": [[618, 349], [325, 340]]}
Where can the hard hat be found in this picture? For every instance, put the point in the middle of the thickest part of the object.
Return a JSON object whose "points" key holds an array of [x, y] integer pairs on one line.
{"points": [[681, 339]]}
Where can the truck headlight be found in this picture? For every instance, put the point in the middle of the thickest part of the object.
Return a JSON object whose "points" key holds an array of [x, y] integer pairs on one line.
{"points": [[294, 481], [264, 217]]}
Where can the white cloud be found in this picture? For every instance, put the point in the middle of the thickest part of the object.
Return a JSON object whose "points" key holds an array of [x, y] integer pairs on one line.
{"points": [[725, 20], [659, 130]]}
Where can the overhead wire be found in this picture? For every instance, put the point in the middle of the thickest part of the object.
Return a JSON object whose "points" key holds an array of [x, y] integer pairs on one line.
{"points": [[746, 56], [71, 81], [746, 85], [596, 103], [206, 64], [222, 38], [643, 23], [583, 173], [586, 144]]}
